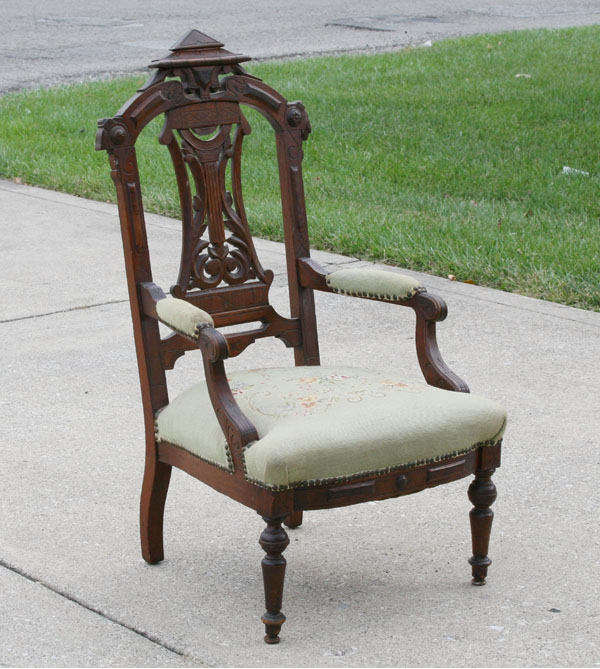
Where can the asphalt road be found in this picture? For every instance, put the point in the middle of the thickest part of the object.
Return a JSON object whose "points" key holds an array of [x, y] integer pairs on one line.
{"points": [[57, 41]]}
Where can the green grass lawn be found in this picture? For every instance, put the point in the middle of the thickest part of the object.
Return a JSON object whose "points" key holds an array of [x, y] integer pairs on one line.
{"points": [[438, 159]]}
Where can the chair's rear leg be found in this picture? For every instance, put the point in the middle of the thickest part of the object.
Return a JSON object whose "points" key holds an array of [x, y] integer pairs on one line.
{"points": [[293, 520], [154, 494], [274, 540], [482, 493]]}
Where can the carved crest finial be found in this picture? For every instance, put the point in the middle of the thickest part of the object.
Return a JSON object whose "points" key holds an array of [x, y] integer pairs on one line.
{"points": [[194, 39], [195, 49]]}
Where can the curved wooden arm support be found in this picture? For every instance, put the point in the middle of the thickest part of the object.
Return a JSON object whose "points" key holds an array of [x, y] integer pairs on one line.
{"points": [[428, 309], [236, 426]]}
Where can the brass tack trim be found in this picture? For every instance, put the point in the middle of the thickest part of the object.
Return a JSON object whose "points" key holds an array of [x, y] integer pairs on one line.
{"points": [[375, 472], [197, 329], [387, 297], [218, 465]]}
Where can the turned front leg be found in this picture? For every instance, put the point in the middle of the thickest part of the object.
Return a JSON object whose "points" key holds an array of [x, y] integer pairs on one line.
{"points": [[482, 493], [274, 540]]}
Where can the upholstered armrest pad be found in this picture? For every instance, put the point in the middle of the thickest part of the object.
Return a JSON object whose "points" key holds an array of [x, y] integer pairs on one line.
{"points": [[374, 283], [183, 317]]}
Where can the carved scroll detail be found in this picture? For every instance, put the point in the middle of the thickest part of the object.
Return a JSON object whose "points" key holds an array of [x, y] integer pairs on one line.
{"points": [[217, 245]]}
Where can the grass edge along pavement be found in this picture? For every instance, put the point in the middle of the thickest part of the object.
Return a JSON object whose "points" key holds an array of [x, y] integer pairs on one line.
{"points": [[447, 159]]}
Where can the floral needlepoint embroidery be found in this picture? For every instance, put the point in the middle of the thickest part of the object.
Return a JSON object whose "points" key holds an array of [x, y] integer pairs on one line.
{"points": [[308, 402], [355, 395], [312, 395], [338, 377], [395, 384]]}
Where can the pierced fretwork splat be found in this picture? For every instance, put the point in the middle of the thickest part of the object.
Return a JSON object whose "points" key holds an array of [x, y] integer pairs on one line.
{"points": [[209, 256]]}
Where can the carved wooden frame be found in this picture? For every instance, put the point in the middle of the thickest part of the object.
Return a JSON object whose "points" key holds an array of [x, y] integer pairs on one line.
{"points": [[202, 83]]}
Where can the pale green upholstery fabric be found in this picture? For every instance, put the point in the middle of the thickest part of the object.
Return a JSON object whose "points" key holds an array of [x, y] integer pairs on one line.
{"points": [[324, 423], [182, 316], [373, 283]]}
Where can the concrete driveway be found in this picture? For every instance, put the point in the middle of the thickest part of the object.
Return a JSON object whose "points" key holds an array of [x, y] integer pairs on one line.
{"points": [[378, 584]]}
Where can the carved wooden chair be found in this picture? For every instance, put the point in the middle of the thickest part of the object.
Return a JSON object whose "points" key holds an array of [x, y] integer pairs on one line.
{"points": [[279, 440]]}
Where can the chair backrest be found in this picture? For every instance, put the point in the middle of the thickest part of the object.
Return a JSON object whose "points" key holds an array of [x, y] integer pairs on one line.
{"points": [[201, 90]]}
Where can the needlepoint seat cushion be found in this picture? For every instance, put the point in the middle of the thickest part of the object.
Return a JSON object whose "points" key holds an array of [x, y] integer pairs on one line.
{"points": [[322, 424]]}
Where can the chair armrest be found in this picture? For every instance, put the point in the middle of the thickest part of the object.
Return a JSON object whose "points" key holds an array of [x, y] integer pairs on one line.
{"points": [[237, 427], [179, 315], [374, 284], [197, 325], [399, 289], [183, 317]]}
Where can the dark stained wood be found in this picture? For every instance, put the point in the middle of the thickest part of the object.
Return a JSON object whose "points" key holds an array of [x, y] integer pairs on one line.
{"points": [[201, 90], [230, 299], [274, 540], [428, 309], [350, 494], [294, 520], [489, 458], [154, 495], [399, 482], [237, 428], [482, 493], [270, 324], [447, 471], [264, 501]]}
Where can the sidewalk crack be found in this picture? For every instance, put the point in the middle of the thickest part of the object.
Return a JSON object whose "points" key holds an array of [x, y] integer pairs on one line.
{"points": [[63, 311], [72, 598]]}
